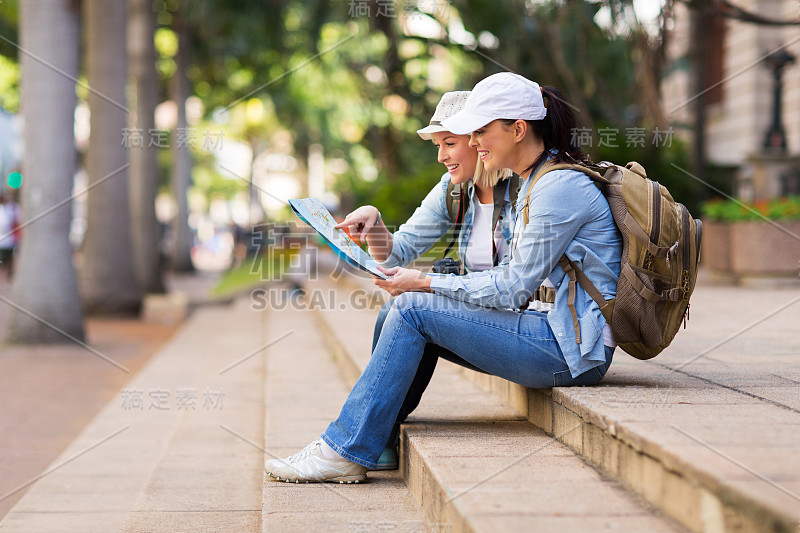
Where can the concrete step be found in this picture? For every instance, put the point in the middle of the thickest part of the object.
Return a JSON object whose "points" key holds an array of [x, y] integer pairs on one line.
{"points": [[708, 435], [474, 463], [303, 393], [158, 457]]}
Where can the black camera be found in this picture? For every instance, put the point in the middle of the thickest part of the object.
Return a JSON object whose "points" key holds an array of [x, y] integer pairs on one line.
{"points": [[448, 265]]}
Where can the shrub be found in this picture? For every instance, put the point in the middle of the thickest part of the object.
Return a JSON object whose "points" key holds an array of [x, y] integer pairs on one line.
{"points": [[786, 208]]}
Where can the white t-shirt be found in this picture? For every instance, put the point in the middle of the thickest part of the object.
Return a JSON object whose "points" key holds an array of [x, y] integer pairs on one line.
{"points": [[608, 336], [479, 246]]}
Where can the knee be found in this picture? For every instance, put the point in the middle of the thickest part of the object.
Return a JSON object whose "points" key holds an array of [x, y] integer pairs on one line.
{"points": [[407, 306], [410, 301]]}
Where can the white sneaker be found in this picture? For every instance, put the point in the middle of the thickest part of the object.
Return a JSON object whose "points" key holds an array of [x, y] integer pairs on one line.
{"points": [[309, 465]]}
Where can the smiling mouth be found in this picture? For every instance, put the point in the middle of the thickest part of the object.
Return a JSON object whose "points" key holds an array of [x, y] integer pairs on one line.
{"points": [[483, 154], [451, 168]]}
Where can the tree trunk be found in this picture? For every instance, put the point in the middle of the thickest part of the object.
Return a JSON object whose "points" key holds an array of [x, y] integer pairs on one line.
{"points": [[181, 156], [699, 24], [144, 165], [390, 138], [45, 285], [565, 72], [108, 281]]}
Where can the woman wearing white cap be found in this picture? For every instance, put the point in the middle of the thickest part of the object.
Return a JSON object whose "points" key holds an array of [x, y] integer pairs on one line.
{"points": [[483, 201], [486, 198], [479, 316]]}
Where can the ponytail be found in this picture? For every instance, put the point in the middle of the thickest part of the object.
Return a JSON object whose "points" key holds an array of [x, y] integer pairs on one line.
{"points": [[556, 131]]}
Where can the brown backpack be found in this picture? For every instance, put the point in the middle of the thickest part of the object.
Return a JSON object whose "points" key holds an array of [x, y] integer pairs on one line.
{"points": [[658, 268]]}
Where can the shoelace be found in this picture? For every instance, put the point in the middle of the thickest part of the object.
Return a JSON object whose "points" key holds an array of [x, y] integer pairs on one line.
{"points": [[305, 452]]}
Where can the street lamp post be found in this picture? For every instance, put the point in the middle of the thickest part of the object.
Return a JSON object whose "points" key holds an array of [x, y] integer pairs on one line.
{"points": [[775, 140]]}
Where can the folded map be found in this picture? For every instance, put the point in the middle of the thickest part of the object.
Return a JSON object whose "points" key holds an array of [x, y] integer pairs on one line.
{"points": [[312, 212]]}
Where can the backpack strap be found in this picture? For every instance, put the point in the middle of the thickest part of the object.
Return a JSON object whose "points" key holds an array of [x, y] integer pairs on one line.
{"points": [[547, 167], [510, 186], [453, 199], [499, 198], [513, 190], [455, 208], [576, 275]]}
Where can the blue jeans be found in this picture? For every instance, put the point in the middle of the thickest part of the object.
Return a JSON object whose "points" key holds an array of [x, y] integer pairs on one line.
{"points": [[430, 356], [519, 347]]}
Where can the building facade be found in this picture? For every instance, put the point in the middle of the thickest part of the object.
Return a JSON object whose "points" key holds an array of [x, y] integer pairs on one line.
{"points": [[739, 84]]}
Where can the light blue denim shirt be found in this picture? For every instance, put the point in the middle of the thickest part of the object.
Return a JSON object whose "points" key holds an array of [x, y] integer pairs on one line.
{"points": [[431, 221], [568, 213]]}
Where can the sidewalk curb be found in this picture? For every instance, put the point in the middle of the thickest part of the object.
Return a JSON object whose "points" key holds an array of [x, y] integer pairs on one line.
{"points": [[697, 499]]}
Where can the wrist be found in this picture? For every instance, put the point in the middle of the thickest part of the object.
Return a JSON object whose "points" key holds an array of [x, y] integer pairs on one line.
{"points": [[425, 283]]}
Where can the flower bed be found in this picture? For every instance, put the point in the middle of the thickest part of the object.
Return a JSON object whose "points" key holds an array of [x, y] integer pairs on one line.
{"points": [[759, 239]]}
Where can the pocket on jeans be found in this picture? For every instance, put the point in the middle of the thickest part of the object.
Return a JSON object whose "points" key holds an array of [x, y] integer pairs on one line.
{"points": [[590, 377], [562, 378]]}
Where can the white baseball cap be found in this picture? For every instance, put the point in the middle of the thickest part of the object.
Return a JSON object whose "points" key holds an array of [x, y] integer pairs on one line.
{"points": [[450, 104], [503, 95]]}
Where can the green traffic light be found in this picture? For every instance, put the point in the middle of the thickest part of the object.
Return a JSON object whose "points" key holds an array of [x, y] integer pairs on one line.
{"points": [[15, 180]]}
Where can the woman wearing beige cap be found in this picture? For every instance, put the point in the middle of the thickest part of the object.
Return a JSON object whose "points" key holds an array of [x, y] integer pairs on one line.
{"points": [[483, 198], [483, 316], [483, 203]]}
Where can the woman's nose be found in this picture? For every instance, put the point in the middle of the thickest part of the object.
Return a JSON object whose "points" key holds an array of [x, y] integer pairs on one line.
{"points": [[442, 156], [473, 140]]}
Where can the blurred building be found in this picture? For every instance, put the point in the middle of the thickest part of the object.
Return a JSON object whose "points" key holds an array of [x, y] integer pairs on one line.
{"points": [[738, 97]]}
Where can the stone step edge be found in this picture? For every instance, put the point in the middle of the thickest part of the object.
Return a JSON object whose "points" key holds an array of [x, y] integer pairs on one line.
{"points": [[349, 370], [423, 481], [695, 498]]}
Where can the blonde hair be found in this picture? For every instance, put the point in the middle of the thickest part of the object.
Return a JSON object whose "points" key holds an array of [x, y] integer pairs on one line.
{"points": [[489, 178], [482, 177]]}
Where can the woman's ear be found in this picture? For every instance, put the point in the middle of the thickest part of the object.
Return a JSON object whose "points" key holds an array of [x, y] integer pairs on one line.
{"points": [[520, 130]]}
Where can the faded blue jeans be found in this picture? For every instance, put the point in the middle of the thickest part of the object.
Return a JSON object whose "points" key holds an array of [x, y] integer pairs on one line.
{"points": [[519, 347]]}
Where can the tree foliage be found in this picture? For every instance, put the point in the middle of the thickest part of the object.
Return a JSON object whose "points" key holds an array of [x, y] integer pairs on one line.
{"points": [[360, 84]]}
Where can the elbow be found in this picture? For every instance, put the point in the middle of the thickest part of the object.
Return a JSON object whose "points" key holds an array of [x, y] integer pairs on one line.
{"points": [[516, 295]]}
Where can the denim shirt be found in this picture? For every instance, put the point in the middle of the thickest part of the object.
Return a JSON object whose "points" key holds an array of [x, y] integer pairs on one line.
{"points": [[431, 221], [568, 214]]}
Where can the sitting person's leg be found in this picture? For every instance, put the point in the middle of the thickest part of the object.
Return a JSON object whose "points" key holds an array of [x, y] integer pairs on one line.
{"points": [[422, 378], [518, 347]]}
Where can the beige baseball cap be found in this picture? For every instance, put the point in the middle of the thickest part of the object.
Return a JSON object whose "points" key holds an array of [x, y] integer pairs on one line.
{"points": [[450, 104]]}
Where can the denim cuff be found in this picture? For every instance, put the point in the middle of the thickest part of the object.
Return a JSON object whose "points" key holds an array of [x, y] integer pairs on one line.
{"points": [[338, 449]]}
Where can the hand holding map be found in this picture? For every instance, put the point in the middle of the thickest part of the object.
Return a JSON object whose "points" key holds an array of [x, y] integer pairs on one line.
{"points": [[312, 212]]}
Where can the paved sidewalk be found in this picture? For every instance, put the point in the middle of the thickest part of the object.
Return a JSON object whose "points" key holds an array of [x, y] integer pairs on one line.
{"points": [[49, 393], [181, 447], [158, 456]]}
